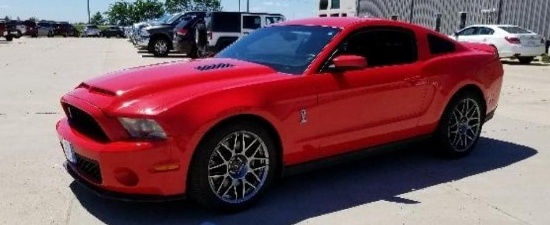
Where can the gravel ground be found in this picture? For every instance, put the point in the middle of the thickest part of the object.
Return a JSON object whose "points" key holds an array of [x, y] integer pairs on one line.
{"points": [[505, 181]]}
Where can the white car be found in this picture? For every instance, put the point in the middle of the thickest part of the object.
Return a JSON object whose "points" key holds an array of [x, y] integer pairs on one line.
{"points": [[511, 41], [91, 31]]}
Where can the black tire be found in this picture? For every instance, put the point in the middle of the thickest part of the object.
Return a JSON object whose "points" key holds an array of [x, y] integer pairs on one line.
{"points": [[201, 40], [19, 34], [160, 47], [203, 174], [9, 38], [458, 134], [50, 34], [193, 53], [525, 60]]}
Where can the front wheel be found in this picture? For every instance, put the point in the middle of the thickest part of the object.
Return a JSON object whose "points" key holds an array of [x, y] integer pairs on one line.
{"points": [[525, 60], [232, 167], [460, 126], [9, 38], [160, 47]]}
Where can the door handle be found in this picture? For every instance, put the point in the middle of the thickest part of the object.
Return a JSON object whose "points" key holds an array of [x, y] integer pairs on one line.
{"points": [[414, 81]]}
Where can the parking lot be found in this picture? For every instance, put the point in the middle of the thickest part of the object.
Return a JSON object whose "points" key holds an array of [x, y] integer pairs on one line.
{"points": [[504, 181]]}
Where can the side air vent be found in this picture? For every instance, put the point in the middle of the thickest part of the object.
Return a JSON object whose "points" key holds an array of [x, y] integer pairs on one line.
{"points": [[213, 66]]}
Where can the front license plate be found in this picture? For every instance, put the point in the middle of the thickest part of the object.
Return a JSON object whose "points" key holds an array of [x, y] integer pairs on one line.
{"points": [[68, 149]]}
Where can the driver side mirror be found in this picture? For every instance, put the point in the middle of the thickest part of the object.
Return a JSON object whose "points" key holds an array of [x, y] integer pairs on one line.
{"points": [[456, 34], [348, 62]]}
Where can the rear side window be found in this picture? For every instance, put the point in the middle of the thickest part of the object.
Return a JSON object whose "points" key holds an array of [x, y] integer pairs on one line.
{"points": [[382, 46], [515, 30], [225, 22], [252, 22], [439, 45]]}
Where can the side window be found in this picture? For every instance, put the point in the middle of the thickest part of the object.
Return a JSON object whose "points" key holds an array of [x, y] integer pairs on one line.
{"points": [[468, 31], [382, 46], [323, 4], [335, 4], [485, 31], [252, 22], [334, 15], [272, 19], [439, 45]]}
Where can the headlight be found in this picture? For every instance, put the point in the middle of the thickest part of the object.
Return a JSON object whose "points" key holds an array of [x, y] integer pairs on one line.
{"points": [[143, 128], [144, 33]]}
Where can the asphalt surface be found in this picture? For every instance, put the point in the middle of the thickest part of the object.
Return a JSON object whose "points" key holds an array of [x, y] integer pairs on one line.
{"points": [[504, 181]]}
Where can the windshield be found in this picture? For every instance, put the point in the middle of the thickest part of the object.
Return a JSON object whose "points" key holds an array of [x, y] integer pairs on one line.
{"points": [[287, 49], [515, 30], [173, 18]]}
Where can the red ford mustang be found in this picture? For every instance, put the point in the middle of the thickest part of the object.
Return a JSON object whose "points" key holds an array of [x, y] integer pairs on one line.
{"points": [[221, 130]]}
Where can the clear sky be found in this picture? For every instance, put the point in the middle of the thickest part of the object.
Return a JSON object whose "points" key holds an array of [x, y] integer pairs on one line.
{"points": [[75, 10]]}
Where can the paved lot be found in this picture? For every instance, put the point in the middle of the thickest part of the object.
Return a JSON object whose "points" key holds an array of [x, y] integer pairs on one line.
{"points": [[505, 181]]}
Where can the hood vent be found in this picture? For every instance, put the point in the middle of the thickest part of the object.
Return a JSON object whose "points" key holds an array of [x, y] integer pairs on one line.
{"points": [[213, 66]]}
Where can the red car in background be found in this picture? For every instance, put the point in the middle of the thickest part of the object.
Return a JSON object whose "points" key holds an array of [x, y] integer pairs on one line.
{"points": [[221, 130]]}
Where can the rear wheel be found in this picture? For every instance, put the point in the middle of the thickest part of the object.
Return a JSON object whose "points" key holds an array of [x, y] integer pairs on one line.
{"points": [[233, 167], [460, 126], [525, 60], [9, 38]]}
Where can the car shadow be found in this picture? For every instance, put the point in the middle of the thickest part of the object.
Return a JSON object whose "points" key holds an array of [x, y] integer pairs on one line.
{"points": [[517, 63], [4, 42], [168, 56], [294, 199]]}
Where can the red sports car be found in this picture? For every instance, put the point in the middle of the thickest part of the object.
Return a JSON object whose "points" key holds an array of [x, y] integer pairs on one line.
{"points": [[298, 93]]}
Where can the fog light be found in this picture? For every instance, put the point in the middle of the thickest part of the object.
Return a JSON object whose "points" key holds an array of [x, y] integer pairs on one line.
{"points": [[126, 177]]}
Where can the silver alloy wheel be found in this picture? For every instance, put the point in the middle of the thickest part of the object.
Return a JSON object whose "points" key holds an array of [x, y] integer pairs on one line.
{"points": [[161, 46], [464, 125], [238, 167]]}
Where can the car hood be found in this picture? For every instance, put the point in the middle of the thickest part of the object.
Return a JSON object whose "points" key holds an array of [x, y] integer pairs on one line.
{"points": [[186, 79], [159, 26]]}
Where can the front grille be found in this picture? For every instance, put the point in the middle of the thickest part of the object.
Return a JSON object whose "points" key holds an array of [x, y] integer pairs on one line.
{"points": [[214, 66], [84, 123], [88, 168]]}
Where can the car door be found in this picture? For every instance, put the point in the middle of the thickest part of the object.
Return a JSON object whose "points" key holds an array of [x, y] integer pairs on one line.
{"points": [[365, 107], [249, 23]]}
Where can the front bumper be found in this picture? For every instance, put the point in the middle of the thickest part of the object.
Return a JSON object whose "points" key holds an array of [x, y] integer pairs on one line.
{"points": [[117, 195], [126, 167], [141, 42]]}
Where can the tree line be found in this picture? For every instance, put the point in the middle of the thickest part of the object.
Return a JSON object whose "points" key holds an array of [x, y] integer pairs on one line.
{"points": [[126, 13]]}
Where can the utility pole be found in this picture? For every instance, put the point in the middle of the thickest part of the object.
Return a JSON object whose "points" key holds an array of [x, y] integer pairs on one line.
{"points": [[239, 5], [499, 12], [247, 5], [357, 7], [412, 12], [89, 19]]}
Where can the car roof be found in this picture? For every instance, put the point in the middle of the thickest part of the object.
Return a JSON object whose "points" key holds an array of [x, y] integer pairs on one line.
{"points": [[330, 21]]}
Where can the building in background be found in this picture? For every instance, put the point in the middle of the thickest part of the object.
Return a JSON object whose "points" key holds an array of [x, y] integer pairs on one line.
{"points": [[453, 14]]}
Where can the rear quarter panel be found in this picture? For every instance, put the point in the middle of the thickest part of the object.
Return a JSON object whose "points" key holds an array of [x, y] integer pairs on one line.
{"points": [[449, 73]]}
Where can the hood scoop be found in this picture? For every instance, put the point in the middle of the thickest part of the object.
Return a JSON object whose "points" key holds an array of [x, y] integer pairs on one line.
{"points": [[213, 66]]}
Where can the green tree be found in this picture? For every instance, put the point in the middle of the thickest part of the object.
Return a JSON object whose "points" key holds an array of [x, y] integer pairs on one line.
{"points": [[120, 13], [174, 6], [34, 19], [146, 9], [97, 19]]}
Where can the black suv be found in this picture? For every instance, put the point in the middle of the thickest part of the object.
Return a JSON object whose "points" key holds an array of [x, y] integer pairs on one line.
{"points": [[113, 31], [189, 34], [157, 38], [8, 30]]}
